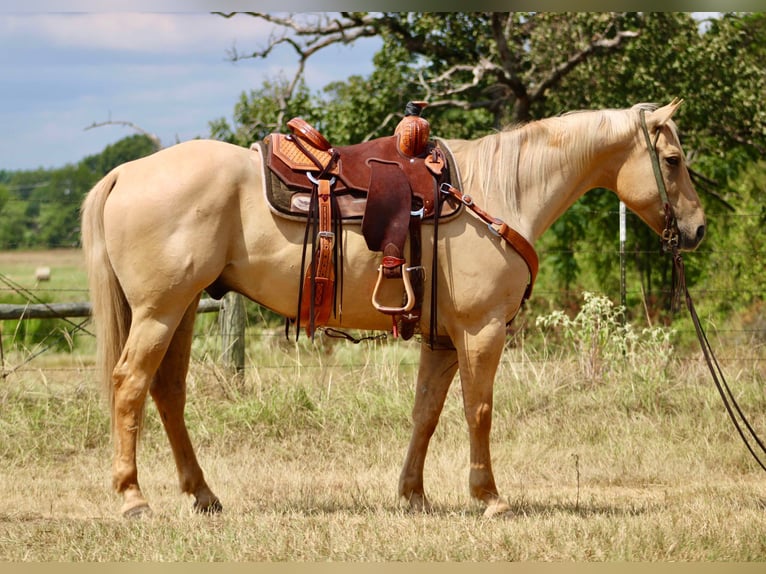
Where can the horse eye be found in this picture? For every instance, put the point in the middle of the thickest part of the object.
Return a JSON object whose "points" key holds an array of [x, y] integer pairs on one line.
{"points": [[672, 160]]}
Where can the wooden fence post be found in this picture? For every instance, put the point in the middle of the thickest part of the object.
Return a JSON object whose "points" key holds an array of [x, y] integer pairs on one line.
{"points": [[232, 323]]}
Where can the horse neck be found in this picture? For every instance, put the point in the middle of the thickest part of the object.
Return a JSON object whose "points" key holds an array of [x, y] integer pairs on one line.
{"points": [[530, 176]]}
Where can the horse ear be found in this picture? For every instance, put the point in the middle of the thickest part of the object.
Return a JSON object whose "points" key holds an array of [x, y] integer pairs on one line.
{"points": [[661, 116]]}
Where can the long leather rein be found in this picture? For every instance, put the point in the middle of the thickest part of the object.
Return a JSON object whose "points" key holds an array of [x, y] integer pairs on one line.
{"points": [[670, 243]]}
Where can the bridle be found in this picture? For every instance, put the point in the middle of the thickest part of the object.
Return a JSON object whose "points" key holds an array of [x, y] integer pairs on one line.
{"points": [[670, 243], [670, 233]]}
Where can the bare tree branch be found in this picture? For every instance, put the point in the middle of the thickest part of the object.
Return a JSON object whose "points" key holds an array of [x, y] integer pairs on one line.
{"points": [[306, 36], [155, 140], [379, 128], [477, 71], [316, 34], [501, 32], [599, 43], [497, 76]]}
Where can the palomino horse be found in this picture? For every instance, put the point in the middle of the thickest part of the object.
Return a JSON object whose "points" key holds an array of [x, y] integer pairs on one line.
{"points": [[160, 230]]}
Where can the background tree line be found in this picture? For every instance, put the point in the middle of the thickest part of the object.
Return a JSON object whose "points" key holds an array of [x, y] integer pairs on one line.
{"points": [[481, 72], [41, 208]]}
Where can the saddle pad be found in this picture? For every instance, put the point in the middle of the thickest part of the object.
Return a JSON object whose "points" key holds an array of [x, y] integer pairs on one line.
{"points": [[293, 202]]}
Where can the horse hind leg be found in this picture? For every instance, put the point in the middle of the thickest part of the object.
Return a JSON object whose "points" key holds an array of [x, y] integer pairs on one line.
{"points": [[144, 348], [151, 333], [169, 393], [436, 371]]}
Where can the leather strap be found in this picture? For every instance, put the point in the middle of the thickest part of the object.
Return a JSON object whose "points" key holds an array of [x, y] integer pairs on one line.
{"points": [[727, 396], [317, 300], [409, 321], [670, 234], [501, 229], [326, 236]]}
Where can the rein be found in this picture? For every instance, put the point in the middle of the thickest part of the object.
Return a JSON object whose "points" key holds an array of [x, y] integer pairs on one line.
{"points": [[670, 243]]}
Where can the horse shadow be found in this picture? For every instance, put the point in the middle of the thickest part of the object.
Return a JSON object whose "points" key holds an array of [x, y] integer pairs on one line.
{"points": [[519, 509]]}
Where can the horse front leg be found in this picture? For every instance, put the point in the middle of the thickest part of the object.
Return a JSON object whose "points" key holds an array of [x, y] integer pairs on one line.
{"points": [[479, 354], [436, 371], [169, 393]]}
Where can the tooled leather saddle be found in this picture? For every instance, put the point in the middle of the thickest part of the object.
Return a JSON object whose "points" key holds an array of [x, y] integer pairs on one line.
{"points": [[377, 184]]}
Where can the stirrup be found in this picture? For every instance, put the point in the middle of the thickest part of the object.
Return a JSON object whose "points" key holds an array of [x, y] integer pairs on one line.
{"points": [[410, 301]]}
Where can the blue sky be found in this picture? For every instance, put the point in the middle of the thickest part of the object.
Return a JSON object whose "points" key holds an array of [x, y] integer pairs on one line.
{"points": [[166, 72]]}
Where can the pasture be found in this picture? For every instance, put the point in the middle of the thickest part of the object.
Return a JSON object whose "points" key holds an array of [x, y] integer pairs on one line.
{"points": [[632, 461]]}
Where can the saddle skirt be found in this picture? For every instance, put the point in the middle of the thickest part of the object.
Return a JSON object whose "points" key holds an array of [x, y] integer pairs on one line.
{"points": [[356, 170]]}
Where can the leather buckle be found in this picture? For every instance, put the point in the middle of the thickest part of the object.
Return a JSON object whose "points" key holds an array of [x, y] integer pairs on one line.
{"points": [[326, 235]]}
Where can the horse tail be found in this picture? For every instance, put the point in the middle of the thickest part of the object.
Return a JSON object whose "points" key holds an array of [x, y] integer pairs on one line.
{"points": [[109, 307]]}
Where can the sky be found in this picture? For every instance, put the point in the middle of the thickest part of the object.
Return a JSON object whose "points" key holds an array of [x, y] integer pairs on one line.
{"points": [[161, 64], [167, 72]]}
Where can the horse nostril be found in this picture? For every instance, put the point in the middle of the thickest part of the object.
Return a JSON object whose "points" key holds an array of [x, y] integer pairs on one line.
{"points": [[700, 232]]}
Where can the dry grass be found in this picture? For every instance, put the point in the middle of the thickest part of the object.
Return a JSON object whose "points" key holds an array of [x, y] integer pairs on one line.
{"points": [[633, 462], [305, 457]]}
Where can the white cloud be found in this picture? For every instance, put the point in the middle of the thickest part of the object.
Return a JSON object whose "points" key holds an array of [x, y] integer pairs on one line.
{"points": [[135, 32], [166, 72]]}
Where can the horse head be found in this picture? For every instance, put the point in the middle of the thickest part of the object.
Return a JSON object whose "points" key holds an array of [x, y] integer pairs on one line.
{"points": [[638, 185]]}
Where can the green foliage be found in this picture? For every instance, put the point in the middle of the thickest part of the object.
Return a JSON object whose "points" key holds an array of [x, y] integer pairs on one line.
{"points": [[483, 71], [604, 341], [728, 111], [736, 246], [355, 110], [124, 150], [41, 208], [261, 112]]}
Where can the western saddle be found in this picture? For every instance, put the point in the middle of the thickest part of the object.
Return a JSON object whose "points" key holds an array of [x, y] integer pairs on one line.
{"points": [[390, 184]]}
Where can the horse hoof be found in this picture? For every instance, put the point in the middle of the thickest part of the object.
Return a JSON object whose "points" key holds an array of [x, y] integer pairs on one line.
{"points": [[212, 507], [418, 503], [497, 508], [142, 510]]}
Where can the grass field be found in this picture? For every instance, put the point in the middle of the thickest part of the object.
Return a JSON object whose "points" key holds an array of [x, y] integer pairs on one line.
{"points": [[633, 461], [67, 281]]}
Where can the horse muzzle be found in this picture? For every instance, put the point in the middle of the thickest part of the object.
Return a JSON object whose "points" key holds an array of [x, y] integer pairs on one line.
{"points": [[690, 241]]}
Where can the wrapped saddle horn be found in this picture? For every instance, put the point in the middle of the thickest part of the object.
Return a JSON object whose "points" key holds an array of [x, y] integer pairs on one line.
{"points": [[413, 130]]}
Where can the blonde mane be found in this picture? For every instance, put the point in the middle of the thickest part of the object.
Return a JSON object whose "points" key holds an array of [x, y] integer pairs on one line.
{"points": [[569, 139]]}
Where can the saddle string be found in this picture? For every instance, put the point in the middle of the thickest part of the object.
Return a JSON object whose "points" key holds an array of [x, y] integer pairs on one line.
{"points": [[338, 334], [311, 229]]}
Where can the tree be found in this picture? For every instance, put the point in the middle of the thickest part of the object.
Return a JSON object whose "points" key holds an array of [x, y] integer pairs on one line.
{"points": [[503, 62], [483, 71], [41, 208]]}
